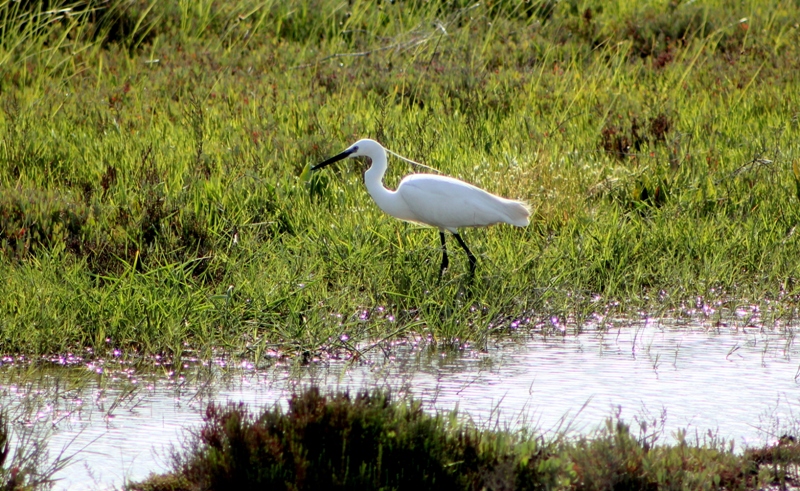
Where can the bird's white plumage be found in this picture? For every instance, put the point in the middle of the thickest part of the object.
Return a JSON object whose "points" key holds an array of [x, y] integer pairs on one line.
{"points": [[450, 204], [439, 201]]}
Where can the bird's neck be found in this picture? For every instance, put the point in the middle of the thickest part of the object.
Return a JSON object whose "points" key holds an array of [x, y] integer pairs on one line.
{"points": [[373, 179]]}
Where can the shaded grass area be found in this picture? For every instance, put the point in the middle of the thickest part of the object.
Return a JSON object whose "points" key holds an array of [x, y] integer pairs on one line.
{"points": [[369, 441], [153, 195]]}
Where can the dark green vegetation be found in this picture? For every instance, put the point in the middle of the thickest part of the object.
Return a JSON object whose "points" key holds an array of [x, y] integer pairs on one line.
{"points": [[368, 441], [153, 195]]}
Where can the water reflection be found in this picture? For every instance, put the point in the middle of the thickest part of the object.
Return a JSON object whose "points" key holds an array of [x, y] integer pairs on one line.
{"points": [[741, 384]]}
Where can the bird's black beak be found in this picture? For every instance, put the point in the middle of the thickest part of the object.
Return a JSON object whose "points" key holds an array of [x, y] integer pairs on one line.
{"points": [[336, 158]]}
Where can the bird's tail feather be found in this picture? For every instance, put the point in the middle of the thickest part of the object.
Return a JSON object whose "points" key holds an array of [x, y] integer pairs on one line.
{"points": [[519, 213]]}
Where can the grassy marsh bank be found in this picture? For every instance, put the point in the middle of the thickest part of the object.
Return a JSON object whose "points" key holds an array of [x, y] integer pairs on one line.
{"points": [[369, 441], [152, 154]]}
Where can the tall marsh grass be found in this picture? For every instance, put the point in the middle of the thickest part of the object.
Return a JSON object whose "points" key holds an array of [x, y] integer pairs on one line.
{"points": [[154, 193]]}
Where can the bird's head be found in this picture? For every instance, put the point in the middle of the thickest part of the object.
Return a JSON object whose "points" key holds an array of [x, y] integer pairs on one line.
{"points": [[361, 148]]}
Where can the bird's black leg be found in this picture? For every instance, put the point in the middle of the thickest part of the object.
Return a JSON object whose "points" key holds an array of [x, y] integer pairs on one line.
{"points": [[472, 260], [445, 262]]}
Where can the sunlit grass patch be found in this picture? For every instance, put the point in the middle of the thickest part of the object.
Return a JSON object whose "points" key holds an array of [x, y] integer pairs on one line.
{"points": [[154, 156]]}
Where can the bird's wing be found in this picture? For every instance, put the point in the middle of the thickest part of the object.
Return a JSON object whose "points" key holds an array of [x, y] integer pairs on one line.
{"points": [[448, 203]]}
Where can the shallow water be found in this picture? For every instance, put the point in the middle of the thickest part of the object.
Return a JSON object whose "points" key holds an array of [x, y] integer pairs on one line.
{"points": [[740, 384]]}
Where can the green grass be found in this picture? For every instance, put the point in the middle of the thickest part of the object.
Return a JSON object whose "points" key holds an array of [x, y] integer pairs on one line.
{"points": [[369, 441], [152, 156]]}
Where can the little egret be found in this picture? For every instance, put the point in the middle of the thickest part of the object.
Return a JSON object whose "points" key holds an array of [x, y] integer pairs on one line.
{"points": [[438, 201]]}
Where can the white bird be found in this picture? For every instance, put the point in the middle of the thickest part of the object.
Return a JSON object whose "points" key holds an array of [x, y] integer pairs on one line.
{"points": [[438, 201]]}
